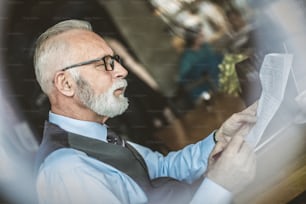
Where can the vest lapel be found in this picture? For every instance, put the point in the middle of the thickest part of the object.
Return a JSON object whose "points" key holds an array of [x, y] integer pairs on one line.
{"points": [[117, 156]]}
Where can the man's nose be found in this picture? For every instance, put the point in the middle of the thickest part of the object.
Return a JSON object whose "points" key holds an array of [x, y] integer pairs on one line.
{"points": [[119, 71]]}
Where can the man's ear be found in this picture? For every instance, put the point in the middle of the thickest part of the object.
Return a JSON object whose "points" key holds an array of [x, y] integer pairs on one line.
{"points": [[64, 84]]}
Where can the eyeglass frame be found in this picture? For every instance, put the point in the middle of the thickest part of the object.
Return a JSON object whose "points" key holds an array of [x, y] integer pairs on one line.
{"points": [[113, 58]]}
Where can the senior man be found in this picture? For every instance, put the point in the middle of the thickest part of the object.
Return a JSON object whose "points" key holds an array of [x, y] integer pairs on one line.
{"points": [[81, 161]]}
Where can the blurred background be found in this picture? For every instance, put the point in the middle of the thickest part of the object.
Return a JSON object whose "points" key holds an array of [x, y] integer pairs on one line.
{"points": [[191, 63]]}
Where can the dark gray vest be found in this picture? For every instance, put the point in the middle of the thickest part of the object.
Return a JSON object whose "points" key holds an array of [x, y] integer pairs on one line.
{"points": [[125, 159]]}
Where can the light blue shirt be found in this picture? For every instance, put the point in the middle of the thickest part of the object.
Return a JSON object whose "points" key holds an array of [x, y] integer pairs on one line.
{"points": [[69, 176]]}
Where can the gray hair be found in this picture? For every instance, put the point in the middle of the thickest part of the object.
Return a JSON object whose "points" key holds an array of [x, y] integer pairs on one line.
{"points": [[46, 56]]}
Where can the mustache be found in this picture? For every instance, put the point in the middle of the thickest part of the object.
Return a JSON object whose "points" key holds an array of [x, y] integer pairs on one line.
{"points": [[120, 83]]}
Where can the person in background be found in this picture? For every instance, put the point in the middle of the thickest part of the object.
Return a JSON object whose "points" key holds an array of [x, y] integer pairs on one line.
{"points": [[236, 21], [198, 68], [81, 161]]}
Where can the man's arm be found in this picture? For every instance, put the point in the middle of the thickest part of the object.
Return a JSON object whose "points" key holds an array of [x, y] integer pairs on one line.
{"points": [[73, 188], [71, 177], [190, 163]]}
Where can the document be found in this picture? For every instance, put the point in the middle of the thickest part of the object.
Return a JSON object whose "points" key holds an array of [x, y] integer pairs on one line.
{"points": [[274, 74]]}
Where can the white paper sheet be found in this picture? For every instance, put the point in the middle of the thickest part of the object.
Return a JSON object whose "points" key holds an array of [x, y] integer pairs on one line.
{"points": [[274, 75]]}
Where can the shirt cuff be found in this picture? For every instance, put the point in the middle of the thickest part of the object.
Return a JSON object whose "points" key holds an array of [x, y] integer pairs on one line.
{"points": [[212, 193]]}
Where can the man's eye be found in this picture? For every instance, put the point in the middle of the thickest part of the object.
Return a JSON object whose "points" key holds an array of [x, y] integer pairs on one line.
{"points": [[99, 65]]}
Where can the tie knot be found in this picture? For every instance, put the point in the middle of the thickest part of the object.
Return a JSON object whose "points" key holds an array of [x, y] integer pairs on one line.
{"points": [[113, 138]]}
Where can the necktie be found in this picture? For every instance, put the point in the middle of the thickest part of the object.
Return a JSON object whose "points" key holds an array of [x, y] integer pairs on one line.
{"points": [[113, 138]]}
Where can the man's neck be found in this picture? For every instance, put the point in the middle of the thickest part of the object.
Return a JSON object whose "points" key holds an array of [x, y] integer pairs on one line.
{"points": [[78, 113]]}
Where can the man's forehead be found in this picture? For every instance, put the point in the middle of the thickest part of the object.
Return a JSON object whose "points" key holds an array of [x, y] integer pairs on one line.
{"points": [[85, 39]]}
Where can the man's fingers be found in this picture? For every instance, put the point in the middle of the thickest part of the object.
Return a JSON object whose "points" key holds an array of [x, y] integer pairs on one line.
{"points": [[244, 130], [235, 144], [217, 151], [248, 118], [245, 118], [246, 152], [252, 108], [250, 163], [218, 148], [236, 122]]}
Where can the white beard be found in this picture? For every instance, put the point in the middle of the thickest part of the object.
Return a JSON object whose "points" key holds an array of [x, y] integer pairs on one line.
{"points": [[105, 104]]}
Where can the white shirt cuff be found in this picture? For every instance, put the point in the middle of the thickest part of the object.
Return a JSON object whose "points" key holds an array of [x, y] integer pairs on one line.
{"points": [[211, 193]]}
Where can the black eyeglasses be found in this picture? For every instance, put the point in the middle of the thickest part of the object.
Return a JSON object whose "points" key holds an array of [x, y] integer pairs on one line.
{"points": [[108, 60]]}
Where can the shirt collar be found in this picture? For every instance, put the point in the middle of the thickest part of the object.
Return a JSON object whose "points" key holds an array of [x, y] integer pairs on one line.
{"points": [[86, 128]]}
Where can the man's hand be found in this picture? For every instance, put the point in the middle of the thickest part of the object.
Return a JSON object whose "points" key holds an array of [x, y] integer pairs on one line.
{"points": [[232, 125], [235, 167]]}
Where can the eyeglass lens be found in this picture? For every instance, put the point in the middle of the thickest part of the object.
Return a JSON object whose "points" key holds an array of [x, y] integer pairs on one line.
{"points": [[109, 62]]}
